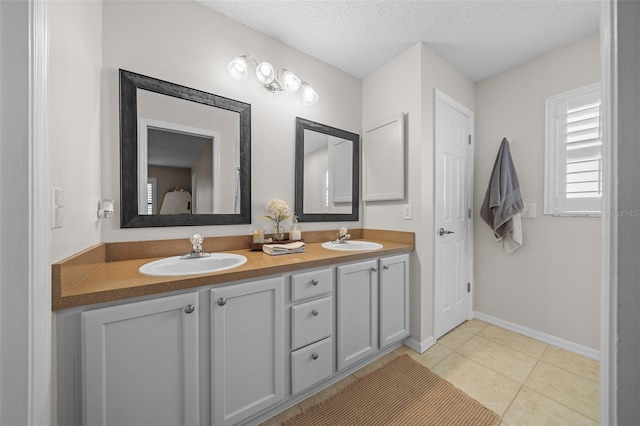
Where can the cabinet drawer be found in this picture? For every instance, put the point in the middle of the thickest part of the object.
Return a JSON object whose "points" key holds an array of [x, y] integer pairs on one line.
{"points": [[310, 365], [310, 322], [310, 284]]}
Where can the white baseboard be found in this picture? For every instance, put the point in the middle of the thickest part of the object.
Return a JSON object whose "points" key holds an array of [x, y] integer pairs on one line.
{"points": [[538, 335], [417, 346]]}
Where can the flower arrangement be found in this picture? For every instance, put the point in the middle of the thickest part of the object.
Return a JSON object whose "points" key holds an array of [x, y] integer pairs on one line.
{"points": [[280, 212]]}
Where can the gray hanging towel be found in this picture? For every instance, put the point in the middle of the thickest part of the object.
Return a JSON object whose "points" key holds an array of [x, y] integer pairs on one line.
{"points": [[502, 203]]}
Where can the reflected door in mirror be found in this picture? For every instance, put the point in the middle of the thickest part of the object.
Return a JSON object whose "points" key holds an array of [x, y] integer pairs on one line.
{"points": [[327, 173], [196, 152]]}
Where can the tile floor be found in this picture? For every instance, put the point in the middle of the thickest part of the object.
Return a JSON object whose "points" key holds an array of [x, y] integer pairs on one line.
{"points": [[525, 381]]}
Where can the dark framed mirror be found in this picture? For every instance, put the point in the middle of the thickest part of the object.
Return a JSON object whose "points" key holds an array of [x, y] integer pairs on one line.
{"points": [[185, 155], [326, 173]]}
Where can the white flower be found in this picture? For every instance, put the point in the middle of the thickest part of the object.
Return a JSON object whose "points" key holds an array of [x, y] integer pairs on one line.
{"points": [[278, 207]]}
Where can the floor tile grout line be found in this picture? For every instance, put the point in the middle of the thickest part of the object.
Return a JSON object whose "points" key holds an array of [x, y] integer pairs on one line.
{"points": [[522, 385], [555, 400], [560, 403]]}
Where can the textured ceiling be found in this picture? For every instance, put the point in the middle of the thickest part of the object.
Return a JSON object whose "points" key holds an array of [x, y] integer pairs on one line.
{"points": [[479, 38]]}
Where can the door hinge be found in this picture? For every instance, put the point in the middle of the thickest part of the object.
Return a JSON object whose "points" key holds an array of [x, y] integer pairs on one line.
{"points": [[468, 287], [469, 213], [469, 139]]}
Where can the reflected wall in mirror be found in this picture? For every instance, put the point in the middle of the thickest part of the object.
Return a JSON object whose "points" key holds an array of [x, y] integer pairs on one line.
{"points": [[326, 173], [185, 155]]}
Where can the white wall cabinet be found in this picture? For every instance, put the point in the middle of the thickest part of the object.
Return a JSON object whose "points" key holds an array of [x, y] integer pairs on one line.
{"points": [[357, 312], [394, 299], [247, 348], [141, 363]]}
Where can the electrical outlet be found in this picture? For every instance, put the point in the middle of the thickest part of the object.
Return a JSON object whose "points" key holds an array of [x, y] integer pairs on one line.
{"points": [[529, 210], [406, 211]]}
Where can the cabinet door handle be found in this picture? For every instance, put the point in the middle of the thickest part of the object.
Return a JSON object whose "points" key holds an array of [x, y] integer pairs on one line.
{"points": [[386, 267], [314, 355], [222, 301], [315, 312], [374, 269], [314, 281], [190, 308]]}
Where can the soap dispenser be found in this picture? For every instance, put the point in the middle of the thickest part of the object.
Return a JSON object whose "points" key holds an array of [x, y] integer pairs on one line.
{"points": [[295, 233]]}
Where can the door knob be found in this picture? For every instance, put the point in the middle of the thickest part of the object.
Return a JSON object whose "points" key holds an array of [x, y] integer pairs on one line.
{"points": [[443, 231], [190, 308]]}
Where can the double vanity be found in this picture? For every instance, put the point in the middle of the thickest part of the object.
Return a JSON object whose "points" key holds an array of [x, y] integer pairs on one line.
{"points": [[235, 346]]}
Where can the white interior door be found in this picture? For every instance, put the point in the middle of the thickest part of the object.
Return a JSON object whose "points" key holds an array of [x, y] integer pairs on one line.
{"points": [[453, 127]]}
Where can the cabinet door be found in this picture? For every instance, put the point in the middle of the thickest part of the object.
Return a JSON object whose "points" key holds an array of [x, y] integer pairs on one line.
{"points": [[394, 299], [141, 363], [357, 312], [247, 349]]}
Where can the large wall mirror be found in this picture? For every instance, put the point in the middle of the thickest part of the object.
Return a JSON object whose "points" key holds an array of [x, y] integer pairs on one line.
{"points": [[326, 173], [185, 155]]}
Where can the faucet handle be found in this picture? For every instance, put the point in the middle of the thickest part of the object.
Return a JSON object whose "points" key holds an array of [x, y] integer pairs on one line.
{"points": [[342, 232], [196, 241]]}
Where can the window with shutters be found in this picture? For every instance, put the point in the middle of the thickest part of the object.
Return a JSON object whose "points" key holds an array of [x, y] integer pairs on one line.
{"points": [[573, 164], [152, 184]]}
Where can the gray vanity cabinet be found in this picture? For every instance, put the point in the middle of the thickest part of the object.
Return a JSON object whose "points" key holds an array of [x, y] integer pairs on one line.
{"points": [[357, 312], [247, 349], [394, 299], [372, 307], [228, 354], [141, 362]]}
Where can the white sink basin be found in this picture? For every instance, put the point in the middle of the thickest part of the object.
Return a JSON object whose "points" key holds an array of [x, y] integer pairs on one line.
{"points": [[175, 266], [352, 245]]}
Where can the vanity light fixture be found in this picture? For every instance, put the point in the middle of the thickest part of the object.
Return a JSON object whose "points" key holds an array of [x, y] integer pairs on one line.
{"points": [[273, 80]]}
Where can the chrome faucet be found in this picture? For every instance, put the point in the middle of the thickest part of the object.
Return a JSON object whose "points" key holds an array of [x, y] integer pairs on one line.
{"points": [[196, 248], [342, 236]]}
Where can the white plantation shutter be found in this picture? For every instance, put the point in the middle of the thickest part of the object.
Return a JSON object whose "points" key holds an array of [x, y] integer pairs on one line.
{"points": [[152, 183], [573, 170]]}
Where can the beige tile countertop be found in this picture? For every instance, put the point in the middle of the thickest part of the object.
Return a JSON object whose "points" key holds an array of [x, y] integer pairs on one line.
{"points": [[109, 271]]}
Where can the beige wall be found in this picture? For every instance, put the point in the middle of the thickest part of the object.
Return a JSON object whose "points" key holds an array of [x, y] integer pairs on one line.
{"points": [[75, 79], [189, 44], [552, 283], [407, 84]]}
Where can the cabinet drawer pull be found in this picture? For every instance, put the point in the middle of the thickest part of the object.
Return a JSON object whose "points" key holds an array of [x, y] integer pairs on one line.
{"points": [[314, 281], [315, 312], [386, 267], [374, 269], [190, 308], [314, 355], [222, 301]]}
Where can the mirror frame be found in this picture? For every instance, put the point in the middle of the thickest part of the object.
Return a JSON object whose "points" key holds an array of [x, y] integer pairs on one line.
{"points": [[129, 217], [302, 125]]}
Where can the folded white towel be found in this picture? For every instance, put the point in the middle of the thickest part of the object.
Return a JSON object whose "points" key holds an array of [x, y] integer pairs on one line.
{"points": [[276, 249]]}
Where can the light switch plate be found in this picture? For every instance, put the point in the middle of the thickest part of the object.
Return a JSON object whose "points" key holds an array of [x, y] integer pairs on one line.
{"points": [[406, 211], [57, 203], [529, 210]]}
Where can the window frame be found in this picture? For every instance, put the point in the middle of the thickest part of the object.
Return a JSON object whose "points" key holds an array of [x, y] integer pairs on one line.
{"points": [[555, 203]]}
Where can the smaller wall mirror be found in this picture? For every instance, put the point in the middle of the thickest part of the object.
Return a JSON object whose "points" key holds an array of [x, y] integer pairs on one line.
{"points": [[326, 173]]}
